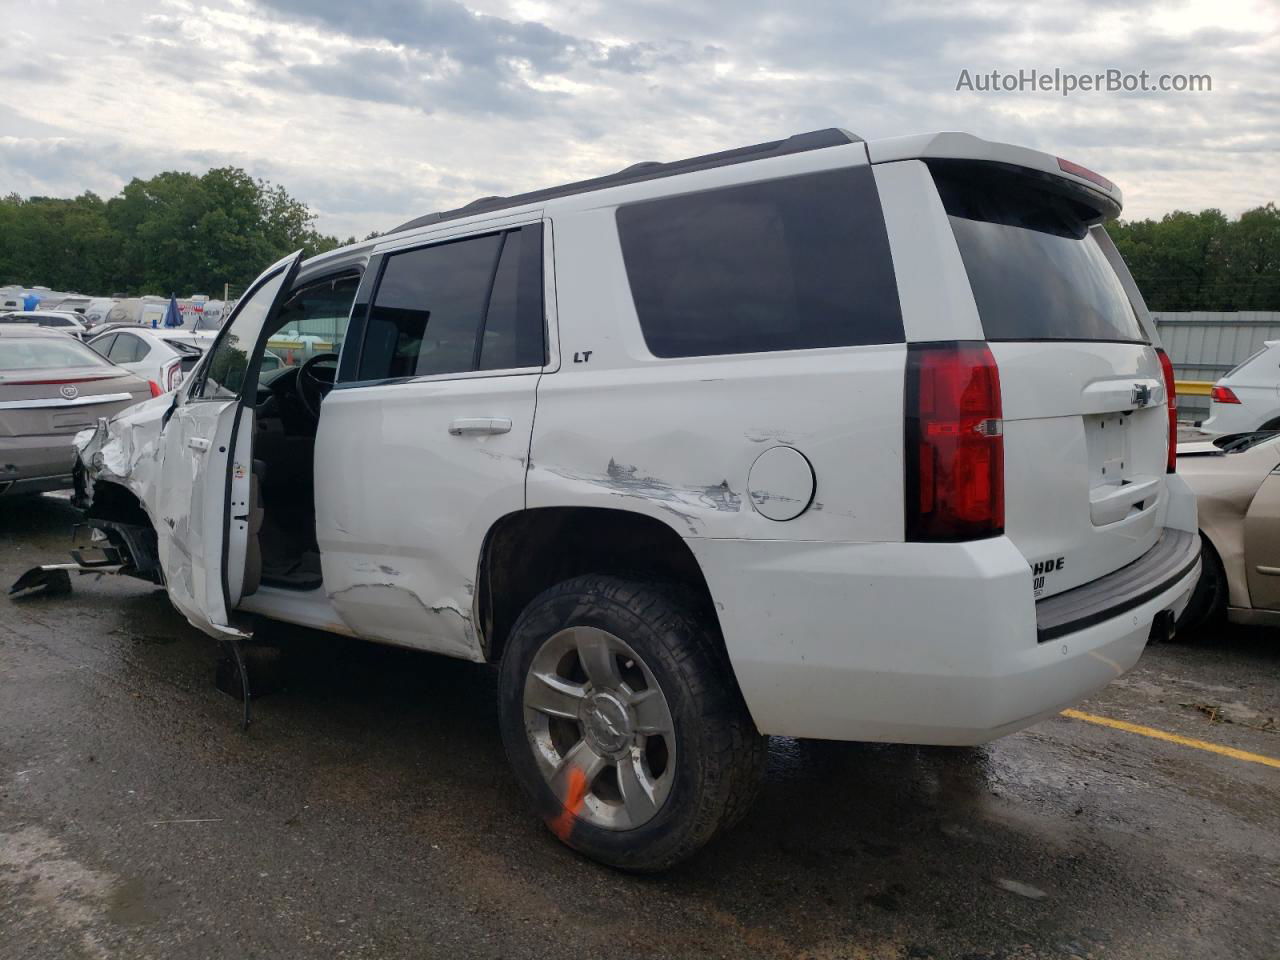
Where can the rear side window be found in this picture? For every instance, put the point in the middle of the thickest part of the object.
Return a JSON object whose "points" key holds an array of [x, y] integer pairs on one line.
{"points": [[789, 264], [102, 345], [1036, 271], [128, 349], [457, 307]]}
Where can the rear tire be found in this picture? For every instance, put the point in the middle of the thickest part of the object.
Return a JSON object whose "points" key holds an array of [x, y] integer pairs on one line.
{"points": [[623, 723], [1208, 600]]}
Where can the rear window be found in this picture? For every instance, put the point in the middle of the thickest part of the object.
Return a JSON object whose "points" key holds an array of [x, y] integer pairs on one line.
{"points": [[45, 354], [788, 264], [1247, 360], [1036, 271]]}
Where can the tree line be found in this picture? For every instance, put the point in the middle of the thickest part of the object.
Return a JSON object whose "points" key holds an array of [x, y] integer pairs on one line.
{"points": [[173, 233], [1204, 261], [182, 233]]}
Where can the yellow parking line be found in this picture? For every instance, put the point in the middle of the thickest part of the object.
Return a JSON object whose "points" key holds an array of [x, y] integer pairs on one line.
{"points": [[1172, 738]]}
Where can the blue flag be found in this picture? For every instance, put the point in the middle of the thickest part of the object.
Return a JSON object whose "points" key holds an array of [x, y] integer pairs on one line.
{"points": [[172, 315]]}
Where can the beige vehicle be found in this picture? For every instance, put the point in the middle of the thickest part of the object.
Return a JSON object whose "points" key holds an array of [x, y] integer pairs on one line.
{"points": [[1236, 480], [52, 386]]}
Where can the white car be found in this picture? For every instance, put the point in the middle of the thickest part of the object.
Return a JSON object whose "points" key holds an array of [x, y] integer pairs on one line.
{"points": [[163, 356], [819, 438], [1247, 398], [66, 321]]}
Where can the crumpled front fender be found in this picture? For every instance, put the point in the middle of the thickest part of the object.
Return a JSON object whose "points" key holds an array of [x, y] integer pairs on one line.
{"points": [[124, 450]]}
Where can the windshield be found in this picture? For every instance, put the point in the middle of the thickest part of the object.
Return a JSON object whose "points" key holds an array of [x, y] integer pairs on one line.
{"points": [[1036, 271], [46, 354]]}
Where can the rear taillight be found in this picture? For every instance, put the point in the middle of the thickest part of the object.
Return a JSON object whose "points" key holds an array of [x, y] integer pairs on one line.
{"points": [[1223, 395], [172, 375], [954, 442], [155, 388], [1171, 392]]}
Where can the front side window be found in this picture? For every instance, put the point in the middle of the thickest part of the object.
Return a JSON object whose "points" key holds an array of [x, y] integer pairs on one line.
{"points": [[457, 307], [222, 376], [789, 264], [312, 321]]}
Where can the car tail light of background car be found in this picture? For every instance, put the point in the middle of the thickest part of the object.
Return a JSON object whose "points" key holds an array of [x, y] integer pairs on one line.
{"points": [[1171, 393], [155, 388], [954, 442], [172, 374], [1223, 395]]}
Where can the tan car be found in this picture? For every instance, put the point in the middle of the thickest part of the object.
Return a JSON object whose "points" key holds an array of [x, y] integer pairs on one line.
{"points": [[1236, 479], [51, 386]]}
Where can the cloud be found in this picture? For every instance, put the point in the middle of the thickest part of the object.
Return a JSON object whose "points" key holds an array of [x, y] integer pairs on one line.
{"points": [[374, 113]]}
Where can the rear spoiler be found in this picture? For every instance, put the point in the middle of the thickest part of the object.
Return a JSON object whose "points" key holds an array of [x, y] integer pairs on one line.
{"points": [[964, 146]]}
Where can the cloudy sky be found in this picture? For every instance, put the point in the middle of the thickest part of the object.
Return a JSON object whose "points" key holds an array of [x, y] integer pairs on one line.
{"points": [[374, 111]]}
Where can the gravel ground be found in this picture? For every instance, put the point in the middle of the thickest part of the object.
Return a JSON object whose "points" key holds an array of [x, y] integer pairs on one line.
{"points": [[369, 813]]}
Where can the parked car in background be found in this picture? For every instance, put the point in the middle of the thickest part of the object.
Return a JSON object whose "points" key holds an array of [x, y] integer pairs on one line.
{"points": [[819, 438], [65, 321], [1247, 398], [164, 355], [95, 314], [1236, 479], [52, 386]]}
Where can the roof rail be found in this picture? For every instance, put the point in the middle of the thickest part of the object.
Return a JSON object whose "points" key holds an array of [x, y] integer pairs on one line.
{"points": [[645, 170]]}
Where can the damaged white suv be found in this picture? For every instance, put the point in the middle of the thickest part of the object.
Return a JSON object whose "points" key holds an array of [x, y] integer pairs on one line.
{"points": [[818, 438]]}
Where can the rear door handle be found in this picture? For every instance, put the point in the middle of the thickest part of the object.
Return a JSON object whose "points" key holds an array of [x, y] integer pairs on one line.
{"points": [[195, 443], [474, 426]]}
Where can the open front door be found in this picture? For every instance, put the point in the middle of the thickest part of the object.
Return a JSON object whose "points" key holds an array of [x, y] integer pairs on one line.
{"points": [[207, 527]]}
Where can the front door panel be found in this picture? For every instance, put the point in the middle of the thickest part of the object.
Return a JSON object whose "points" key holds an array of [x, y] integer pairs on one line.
{"points": [[207, 451], [409, 479]]}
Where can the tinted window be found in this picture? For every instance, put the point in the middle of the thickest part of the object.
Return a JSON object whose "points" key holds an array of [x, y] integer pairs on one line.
{"points": [[222, 375], [1036, 271], [781, 265], [456, 307], [312, 321], [128, 349], [513, 325], [103, 344]]}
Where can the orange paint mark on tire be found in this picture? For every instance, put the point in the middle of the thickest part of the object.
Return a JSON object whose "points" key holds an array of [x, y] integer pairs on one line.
{"points": [[562, 825]]}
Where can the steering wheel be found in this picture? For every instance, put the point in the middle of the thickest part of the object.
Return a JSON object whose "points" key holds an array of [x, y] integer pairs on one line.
{"points": [[315, 381]]}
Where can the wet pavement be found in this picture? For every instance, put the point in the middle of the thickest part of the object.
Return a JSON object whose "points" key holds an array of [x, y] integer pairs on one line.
{"points": [[368, 812]]}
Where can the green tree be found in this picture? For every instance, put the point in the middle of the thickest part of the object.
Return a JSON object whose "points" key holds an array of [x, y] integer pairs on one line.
{"points": [[1250, 274], [174, 232], [1177, 260]]}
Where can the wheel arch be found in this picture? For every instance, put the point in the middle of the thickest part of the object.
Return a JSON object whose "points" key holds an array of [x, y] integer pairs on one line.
{"points": [[528, 551], [122, 516]]}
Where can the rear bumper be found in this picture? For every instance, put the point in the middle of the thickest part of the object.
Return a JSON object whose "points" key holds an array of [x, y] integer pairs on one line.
{"points": [[910, 643], [1227, 418], [33, 464], [1165, 565]]}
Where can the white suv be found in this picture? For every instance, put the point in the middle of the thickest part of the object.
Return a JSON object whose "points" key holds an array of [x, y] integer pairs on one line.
{"points": [[1247, 397], [818, 438]]}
